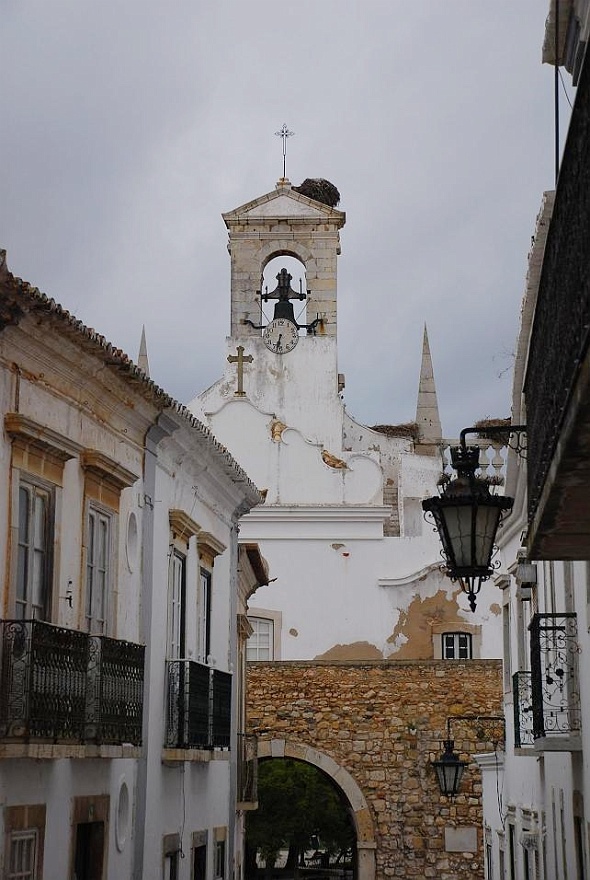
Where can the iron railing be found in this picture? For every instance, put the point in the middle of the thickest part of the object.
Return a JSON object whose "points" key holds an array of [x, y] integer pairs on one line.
{"points": [[62, 685], [522, 702], [199, 706], [114, 705], [554, 676], [220, 709], [247, 768], [561, 329]]}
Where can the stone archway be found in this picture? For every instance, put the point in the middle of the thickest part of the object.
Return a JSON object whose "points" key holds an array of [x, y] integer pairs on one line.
{"points": [[365, 835]]}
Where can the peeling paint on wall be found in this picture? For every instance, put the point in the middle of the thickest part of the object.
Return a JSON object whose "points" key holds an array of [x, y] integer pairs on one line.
{"points": [[412, 637], [354, 651]]}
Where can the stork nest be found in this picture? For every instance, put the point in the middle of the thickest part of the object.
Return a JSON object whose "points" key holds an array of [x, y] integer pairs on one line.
{"points": [[408, 430], [319, 190]]}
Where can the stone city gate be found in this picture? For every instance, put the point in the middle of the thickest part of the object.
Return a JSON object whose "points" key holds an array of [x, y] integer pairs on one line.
{"points": [[374, 727]]}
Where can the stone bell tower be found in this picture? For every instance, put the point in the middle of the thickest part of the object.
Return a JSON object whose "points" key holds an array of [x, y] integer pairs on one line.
{"points": [[283, 223]]}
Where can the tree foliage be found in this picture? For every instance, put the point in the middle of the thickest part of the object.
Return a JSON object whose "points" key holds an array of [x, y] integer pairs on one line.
{"points": [[295, 802]]}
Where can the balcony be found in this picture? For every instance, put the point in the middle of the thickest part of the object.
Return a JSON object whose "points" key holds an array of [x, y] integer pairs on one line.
{"points": [[557, 383], [247, 772], [522, 701], [199, 707], [555, 683], [64, 687]]}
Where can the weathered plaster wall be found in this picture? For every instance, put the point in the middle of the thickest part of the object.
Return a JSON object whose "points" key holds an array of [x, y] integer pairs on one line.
{"points": [[383, 723]]}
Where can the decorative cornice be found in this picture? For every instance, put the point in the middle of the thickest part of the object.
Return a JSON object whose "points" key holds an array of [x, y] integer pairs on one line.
{"points": [[28, 431], [107, 470], [182, 523], [208, 541], [410, 578], [313, 513]]}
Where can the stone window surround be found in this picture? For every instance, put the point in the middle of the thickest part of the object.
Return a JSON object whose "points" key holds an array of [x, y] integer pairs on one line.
{"points": [[27, 817]]}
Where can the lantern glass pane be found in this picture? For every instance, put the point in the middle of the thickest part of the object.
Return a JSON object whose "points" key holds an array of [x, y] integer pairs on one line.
{"points": [[458, 525], [449, 774], [486, 525], [471, 530]]}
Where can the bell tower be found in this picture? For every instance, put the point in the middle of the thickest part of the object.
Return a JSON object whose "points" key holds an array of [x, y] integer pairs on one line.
{"points": [[285, 222]]}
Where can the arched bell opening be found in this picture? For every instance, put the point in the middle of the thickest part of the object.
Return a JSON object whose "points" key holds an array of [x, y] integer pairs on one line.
{"points": [[283, 290]]}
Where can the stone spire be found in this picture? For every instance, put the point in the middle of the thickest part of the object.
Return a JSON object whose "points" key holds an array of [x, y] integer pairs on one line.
{"points": [[427, 417], [142, 360]]}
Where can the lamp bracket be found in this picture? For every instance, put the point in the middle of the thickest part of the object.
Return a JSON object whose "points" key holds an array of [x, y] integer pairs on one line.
{"points": [[500, 432], [485, 727]]}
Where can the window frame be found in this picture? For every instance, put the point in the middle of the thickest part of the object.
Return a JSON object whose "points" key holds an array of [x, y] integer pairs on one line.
{"points": [[176, 627], [15, 872], [219, 854], [24, 821], [204, 599], [456, 636], [104, 515], [253, 642], [36, 488]]}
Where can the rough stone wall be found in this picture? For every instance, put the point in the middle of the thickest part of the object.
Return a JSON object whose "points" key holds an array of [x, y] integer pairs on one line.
{"points": [[384, 722]]}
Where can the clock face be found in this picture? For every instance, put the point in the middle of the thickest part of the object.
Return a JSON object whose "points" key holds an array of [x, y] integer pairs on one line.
{"points": [[280, 335]]}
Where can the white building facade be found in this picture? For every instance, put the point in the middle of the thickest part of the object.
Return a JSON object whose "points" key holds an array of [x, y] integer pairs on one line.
{"points": [[537, 806], [120, 705]]}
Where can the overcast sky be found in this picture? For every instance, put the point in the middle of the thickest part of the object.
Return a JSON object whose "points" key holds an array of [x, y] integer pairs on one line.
{"points": [[128, 126]]}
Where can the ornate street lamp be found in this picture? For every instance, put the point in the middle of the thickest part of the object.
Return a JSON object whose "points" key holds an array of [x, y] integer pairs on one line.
{"points": [[449, 770], [467, 517]]}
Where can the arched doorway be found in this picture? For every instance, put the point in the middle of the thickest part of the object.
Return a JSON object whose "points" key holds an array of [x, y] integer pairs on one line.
{"points": [[365, 835]]}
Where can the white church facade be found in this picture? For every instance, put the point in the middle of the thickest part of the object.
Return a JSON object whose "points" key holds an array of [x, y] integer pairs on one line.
{"points": [[355, 569], [357, 612]]}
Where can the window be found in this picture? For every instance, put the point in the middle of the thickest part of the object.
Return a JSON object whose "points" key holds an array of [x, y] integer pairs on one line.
{"points": [[176, 604], [199, 857], [22, 855], [456, 646], [34, 562], [98, 565], [171, 866], [260, 644], [171, 845], [24, 828], [219, 873], [204, 616]]}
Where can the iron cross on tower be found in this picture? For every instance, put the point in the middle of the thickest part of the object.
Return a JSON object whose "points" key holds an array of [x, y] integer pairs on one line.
{"points": [[284, 133]]}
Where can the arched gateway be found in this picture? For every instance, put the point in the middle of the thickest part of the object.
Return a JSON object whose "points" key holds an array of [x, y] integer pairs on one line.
{"points": [[365, 837]]}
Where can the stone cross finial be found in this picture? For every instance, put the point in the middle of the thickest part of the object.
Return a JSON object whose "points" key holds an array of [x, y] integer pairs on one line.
{"points": [[240, 359]]}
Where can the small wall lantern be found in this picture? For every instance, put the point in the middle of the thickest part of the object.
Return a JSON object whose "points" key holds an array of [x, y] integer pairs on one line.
{"points": [[449, 770]]}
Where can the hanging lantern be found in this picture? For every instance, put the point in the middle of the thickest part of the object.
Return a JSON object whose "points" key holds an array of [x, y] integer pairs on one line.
{"points": [[449, 770], [467, 517]]}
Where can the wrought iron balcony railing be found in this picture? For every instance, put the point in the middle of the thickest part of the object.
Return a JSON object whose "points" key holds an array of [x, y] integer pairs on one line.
{"points": [[554, 678], [62, 685], [247, 769], [199, 706], [522, 701], [561, 330], [114, 705]]}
